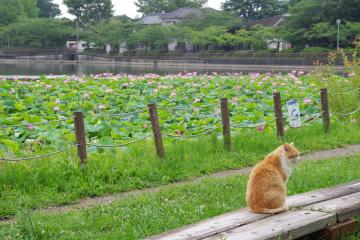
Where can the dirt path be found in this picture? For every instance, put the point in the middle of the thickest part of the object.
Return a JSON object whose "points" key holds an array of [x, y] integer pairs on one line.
{"points": [[92, 202]]}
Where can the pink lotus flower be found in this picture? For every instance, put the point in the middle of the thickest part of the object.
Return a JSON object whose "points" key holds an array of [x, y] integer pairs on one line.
{"points": [[173, 94], [238, 88], [145, 126], [155, 90], [260, 128], [30, 127], [109, 90], [307, 101], [48, 86], [56, 109]]}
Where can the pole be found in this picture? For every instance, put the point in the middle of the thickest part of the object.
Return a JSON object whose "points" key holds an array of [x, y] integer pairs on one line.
{"points": [[226, 123], [278, 114], [156, 129], [325, 108], [80, 136]]}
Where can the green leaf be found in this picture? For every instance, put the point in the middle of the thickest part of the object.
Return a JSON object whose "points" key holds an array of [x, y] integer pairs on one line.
{"points": [[14, 146]]}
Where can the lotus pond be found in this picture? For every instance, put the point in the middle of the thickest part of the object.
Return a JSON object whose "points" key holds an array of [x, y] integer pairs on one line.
{"points": [[188, 104]]}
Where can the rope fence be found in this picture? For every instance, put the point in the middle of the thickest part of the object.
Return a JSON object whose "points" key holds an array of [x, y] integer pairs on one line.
{"points": [[37, 157], [82, 144]]}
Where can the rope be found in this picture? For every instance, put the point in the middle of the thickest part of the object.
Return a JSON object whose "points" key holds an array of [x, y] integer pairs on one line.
{"points": [[36, 157], [118, 145], [35, 124], [254, 125], [344, 93], [119, 114], [192, 136], [347, 114]]}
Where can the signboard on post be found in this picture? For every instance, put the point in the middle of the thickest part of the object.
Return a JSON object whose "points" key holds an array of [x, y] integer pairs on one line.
{"points": [[294, 113]]}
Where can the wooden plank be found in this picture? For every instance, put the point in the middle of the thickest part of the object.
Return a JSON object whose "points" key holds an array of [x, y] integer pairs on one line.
{"points": [[345, 207], [241, 217], [211, 226], [323, 194], [289, 225], [334, 232]]}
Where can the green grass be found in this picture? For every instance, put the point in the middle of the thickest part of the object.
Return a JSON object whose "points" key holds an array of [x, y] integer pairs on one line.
{"points": [[152, 213], [60, 180]]}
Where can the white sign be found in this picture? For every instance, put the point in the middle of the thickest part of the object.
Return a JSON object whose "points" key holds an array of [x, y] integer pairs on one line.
{"points": [[294, 113]]}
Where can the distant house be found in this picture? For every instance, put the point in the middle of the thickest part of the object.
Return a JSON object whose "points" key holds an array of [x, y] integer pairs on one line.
{"points": [[173, 17], [276, 21]]}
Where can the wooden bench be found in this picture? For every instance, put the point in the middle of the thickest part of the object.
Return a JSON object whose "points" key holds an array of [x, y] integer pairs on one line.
{"points": [[311, 212]]}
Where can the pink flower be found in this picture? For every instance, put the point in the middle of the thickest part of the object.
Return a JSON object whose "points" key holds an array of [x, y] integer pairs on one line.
{"points": [[354, 120], [238, 88], [155, 90], [173, 94], [48, 86], [260, 128], [197, 100], [56, 109], [109, 90], [259, 92], [351, 74], [57, 101], [307, 101], [260, 83], [101, 106], [145, 126], [30, 127]]}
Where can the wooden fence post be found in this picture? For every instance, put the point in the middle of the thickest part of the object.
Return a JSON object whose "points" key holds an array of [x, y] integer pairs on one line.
{"points": [[278, 114], [80, 136], [325, 109], [226, 123], [156, 129]]}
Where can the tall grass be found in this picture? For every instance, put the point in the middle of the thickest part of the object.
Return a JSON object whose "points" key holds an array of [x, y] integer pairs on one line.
{"points": [[60, 180], [152, 213]]}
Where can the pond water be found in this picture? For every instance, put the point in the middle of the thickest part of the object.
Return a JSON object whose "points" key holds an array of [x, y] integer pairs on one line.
{"points": [[39, 68]]}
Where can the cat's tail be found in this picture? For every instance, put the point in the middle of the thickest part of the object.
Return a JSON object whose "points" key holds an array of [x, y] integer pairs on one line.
{"points": [[276, 210]]}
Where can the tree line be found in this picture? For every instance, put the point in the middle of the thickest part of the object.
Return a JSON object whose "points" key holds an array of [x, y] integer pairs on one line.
{"points": [[311, 23]]}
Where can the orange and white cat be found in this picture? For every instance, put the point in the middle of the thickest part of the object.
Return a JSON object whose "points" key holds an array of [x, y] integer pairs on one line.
{"points": [[266, 189]]}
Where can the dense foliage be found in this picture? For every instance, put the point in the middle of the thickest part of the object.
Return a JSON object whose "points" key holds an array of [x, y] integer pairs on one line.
{"points": [[159, 6], [256, 9]]}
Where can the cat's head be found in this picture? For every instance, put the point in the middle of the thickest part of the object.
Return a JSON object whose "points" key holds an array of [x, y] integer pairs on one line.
{"points": [[291, 153]]}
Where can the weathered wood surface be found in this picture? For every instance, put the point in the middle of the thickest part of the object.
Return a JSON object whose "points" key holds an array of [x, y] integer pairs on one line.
{"points": [[242, 217], [289, 225], [212, 226], [308, 198], [344, 207]]}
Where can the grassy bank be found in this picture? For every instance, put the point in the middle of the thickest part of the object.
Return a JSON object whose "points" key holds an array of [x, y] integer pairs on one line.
{"points": [[60, 180], [151, 213]]}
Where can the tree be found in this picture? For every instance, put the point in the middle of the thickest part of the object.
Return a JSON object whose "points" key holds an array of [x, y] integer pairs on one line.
{"points": [[48, 9], [113, 32], [90, 11], [255, 9], [210, 17], [153, 37], [37, 33], [311, 17], [12, 10], [159, 6], [30, 8]]}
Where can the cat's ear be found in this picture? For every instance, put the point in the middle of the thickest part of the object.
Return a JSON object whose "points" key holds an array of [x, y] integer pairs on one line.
{"points": [[287, 147]]}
